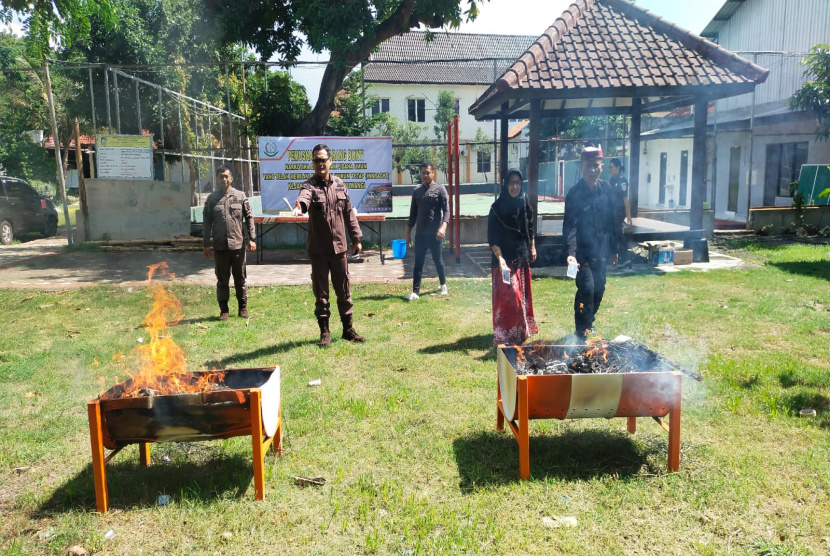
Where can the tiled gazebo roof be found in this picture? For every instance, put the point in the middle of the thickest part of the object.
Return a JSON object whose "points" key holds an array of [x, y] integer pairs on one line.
{"points": [[600, 54], [449, 58]]}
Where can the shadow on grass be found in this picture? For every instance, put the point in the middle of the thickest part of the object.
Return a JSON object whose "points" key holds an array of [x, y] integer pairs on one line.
{"points": [[806, 400], [815, 269], [491, 458], [465, 345], [132, 486], [249, 356]]}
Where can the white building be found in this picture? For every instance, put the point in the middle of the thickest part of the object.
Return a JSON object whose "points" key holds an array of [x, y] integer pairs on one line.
{"points": [[755, 142], [407, 73]]}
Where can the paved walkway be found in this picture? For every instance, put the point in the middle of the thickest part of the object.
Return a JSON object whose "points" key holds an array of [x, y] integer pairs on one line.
{"points": [[43, 263]]}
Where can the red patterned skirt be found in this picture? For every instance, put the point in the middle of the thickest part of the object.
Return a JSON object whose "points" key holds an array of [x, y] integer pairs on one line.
{"points": [[513, 319]]}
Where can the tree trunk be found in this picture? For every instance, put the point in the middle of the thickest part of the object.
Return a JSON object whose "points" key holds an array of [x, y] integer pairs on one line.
{"points": [[333, 78]]}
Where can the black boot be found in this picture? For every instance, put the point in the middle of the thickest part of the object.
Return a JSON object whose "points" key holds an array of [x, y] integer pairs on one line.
{"points": [[224, 312], [325, 335], [349, 333], [243, 308]]}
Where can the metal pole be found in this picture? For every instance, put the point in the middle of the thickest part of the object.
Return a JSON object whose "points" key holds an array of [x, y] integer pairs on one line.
{"points": [[363, 96], [92, 99], [751, 148], [210, 141], [161, 135], [250, 185], [715, 161], [196, 140], [138, 107], [57, 142], [107, 95], [228, 92], [181, 136], [496, 162], [117, 104], [456, 155]]}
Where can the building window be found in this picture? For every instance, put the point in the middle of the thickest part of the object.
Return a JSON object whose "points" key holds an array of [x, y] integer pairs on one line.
{"points": [[416, 110], [380, 105], [456, 106], [784, 162], [483, 161]]}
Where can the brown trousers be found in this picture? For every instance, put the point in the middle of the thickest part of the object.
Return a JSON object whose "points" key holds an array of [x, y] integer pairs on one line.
{"points": [[338, 266]]}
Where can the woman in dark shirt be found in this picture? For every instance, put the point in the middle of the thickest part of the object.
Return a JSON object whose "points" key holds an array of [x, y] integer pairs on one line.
{"points": [[511, 238]]}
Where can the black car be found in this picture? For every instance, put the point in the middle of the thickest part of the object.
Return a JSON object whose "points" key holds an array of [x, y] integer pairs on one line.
{"points": [[23, 210]]}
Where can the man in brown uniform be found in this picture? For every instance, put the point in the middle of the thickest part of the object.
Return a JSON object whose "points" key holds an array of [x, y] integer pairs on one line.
{"points": [[224, 211], [326, 200]]}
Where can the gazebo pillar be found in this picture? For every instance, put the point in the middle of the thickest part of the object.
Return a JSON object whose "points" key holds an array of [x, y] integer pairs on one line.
{"points": [[701, 107], [634, 169], [533, 160], [503, 131]]}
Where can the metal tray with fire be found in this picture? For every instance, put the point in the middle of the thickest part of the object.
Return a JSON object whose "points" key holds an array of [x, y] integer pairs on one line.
{"points": [[620, 378], [212, 405]]}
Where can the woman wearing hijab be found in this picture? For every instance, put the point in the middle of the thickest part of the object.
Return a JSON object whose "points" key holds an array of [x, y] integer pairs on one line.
{"points": [[511, 238]]}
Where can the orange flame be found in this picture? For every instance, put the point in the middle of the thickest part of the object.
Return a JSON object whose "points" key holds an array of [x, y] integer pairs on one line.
{"points": [[161, 361], [597, 349]]}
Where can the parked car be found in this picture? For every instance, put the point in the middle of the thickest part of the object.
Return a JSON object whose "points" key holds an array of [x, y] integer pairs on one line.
{"points": [[23, 210]]}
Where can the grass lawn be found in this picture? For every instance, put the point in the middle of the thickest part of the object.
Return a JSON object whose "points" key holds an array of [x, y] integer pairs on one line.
{"points": [[403, 427]]}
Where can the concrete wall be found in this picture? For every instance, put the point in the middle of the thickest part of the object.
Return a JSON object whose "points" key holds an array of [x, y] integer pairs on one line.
{"points": [[137, 209], [782, 219], [681, 218]]}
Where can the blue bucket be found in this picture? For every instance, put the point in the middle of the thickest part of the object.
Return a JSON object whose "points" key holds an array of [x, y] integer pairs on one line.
{"points": [[399, 248]]}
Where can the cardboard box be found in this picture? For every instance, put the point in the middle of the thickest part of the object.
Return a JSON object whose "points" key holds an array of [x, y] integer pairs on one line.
{"points": [[665, 255], [683, 256]]}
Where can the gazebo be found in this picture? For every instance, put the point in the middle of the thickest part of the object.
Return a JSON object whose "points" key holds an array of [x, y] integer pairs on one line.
{"points": [[611, 57]]}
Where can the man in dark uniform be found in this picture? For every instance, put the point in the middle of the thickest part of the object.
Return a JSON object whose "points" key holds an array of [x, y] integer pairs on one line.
{"points": [[429, 213], [326, 200], [622, 208], [224, 211], [591, 233]]}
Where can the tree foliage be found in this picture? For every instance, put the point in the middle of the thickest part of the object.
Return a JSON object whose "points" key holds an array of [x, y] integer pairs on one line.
{"points": [[409, 136], [348, 119], [349, 29], [444, 112], [814, 94], [279, 106], [22, 109], [58, 22]]}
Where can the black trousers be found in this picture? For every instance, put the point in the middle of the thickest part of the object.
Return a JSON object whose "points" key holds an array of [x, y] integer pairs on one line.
{"points": [[422, 244], [338, 267], [590, 287], [227, 263]]}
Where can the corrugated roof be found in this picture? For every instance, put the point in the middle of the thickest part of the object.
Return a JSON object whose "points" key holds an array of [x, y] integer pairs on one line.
{"points": [[468, 58], [615, 50]]}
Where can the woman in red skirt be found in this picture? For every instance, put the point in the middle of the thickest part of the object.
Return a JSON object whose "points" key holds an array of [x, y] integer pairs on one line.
{"points": [[511, 238]]}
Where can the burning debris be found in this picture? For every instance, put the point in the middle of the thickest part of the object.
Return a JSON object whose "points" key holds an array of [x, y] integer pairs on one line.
{"points": [[598, 356], [161, 361]]}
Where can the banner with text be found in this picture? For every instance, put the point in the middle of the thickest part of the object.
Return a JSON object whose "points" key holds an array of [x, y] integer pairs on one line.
{"points": [[124, 157], [363, 163]]}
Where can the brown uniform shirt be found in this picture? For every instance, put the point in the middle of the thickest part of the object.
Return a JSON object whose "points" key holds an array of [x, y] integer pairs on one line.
{"points": [[223, 215], [330, 216]]}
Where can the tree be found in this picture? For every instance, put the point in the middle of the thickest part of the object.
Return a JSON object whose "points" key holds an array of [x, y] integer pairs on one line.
{"points": [[350, 30], [56, 21], [279, 108], [348, 118], [407, 155], [814, 94], [444, 112], [22, 108]]}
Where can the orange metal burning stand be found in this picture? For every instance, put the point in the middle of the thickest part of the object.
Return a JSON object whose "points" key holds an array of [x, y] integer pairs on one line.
{"points": [[260, 447], [555, 397]]}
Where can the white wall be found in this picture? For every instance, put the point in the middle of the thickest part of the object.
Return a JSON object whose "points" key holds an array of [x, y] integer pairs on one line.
{"points": [[649, 188]]}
